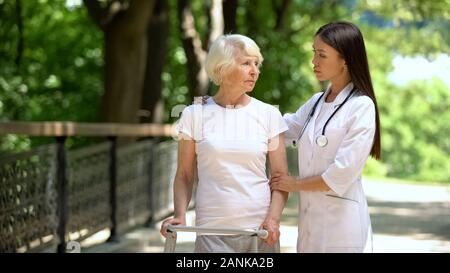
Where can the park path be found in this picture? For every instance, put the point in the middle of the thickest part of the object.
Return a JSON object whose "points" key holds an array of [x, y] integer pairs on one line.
{"points": [[405, 218]]}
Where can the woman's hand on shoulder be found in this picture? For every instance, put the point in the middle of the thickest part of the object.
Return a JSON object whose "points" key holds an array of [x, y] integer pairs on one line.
{"points": [[200, 100]]}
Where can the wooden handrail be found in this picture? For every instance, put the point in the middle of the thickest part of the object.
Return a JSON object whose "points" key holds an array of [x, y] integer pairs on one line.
{"points": [[67, 128]]}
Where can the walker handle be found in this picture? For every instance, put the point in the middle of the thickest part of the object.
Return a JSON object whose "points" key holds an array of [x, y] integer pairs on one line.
{"points": [[261, 233]]}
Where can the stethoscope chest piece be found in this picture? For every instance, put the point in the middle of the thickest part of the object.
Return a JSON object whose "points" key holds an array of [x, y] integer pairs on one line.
{"points": [[321, 141]]}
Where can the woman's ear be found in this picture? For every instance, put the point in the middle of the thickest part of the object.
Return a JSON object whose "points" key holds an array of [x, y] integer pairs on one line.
{"points": [[219, 72]]}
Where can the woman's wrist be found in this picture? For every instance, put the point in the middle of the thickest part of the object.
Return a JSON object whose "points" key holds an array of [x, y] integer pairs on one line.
{"points": [[273, 216], [180, 216], [298, 183]]}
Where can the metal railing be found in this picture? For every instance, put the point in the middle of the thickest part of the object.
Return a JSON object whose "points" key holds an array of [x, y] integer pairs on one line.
{"points": [[50, 196]]}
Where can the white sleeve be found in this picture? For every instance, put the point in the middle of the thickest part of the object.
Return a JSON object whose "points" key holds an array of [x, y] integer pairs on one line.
{"points": [[186, 123], [297, 120], [277, 125], [294, 125], [355, 148]]}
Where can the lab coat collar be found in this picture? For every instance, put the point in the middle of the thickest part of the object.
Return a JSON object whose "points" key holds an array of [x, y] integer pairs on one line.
{"points": [[342, 95], [339, 99]]}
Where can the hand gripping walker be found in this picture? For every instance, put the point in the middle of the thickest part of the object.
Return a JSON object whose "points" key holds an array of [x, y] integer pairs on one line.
{"points": [[171, 239]]}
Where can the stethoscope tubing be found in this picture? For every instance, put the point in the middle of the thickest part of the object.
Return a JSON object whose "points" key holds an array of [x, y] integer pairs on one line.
{"points": [[313, 110]]}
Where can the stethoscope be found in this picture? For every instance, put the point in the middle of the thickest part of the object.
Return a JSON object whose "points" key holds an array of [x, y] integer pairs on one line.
{"points": [[322, 140]]}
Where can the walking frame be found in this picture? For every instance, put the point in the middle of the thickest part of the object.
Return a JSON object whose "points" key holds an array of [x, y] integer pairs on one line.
{"points": [[171, 238]]}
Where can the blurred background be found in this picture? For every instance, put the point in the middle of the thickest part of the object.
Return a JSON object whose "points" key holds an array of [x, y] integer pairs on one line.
{"points": [[65, 60], [133, 61]]}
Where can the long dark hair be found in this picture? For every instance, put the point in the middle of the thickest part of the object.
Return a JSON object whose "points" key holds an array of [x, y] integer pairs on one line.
{"points": [[347, 39]]}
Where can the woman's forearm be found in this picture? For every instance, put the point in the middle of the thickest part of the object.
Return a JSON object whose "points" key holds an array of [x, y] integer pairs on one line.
{"points": [[277, 204], [278, 164], [313, 183], [182, 195]]}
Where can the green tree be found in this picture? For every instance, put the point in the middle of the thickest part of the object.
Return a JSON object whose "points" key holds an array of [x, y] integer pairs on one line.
{"points": [[56, 74], [56, 64], [416, 129]]}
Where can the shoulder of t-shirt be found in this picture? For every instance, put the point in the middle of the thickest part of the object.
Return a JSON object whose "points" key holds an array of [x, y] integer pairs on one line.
{"points": [[191, 108], [268, 107]]}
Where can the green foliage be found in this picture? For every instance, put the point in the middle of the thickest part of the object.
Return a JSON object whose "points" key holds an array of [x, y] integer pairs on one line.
{"points": [[415, 131], [417, 27], [286, 76], [174, 77], [375, 168], [60, 74]]}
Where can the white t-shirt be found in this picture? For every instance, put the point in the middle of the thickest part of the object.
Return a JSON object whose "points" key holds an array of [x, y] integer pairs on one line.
{"points": [[231, 147]]}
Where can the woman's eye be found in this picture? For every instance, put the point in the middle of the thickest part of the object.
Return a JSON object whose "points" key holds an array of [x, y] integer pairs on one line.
{"points": [[321, 55]]}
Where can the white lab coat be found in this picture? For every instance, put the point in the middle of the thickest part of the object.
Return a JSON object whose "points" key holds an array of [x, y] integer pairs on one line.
{"points": [[337, 220]]}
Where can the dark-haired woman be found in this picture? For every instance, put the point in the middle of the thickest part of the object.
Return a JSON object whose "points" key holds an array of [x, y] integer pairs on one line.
{"points": [[336, 131]]}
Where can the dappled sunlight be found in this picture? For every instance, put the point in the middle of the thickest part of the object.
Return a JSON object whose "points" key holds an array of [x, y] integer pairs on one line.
{"points": [[399, 226], [378, 190], [394, 244], [409, 218], [409, 210]]}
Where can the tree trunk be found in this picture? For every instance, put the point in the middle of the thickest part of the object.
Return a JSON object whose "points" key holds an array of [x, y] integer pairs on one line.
{"points": [[216, 15], [125, 28], [152, 106], [281, 11], [253, 24], [20, 46], [192, 44], [195, 55], [229, 16]]}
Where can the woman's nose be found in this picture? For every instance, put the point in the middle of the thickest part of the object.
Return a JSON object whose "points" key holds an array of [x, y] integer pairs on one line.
{"points": [[254, 70]]}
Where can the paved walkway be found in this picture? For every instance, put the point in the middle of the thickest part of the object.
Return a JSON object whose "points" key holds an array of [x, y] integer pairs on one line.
{"points": [[405, 218]]}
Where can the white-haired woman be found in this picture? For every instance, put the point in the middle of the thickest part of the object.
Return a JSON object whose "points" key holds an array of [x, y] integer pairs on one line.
{"points": [[226, 141]]}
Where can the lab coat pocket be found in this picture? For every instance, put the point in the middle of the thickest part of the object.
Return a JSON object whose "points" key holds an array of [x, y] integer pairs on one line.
{"points": [[343, 223], [335, 137]]}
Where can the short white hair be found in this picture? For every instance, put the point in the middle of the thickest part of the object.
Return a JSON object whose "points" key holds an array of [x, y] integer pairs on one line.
{"points": [[223, 51]]}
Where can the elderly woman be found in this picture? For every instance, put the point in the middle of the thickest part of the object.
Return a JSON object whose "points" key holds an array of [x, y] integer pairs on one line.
{"points": [[226, 141]]}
